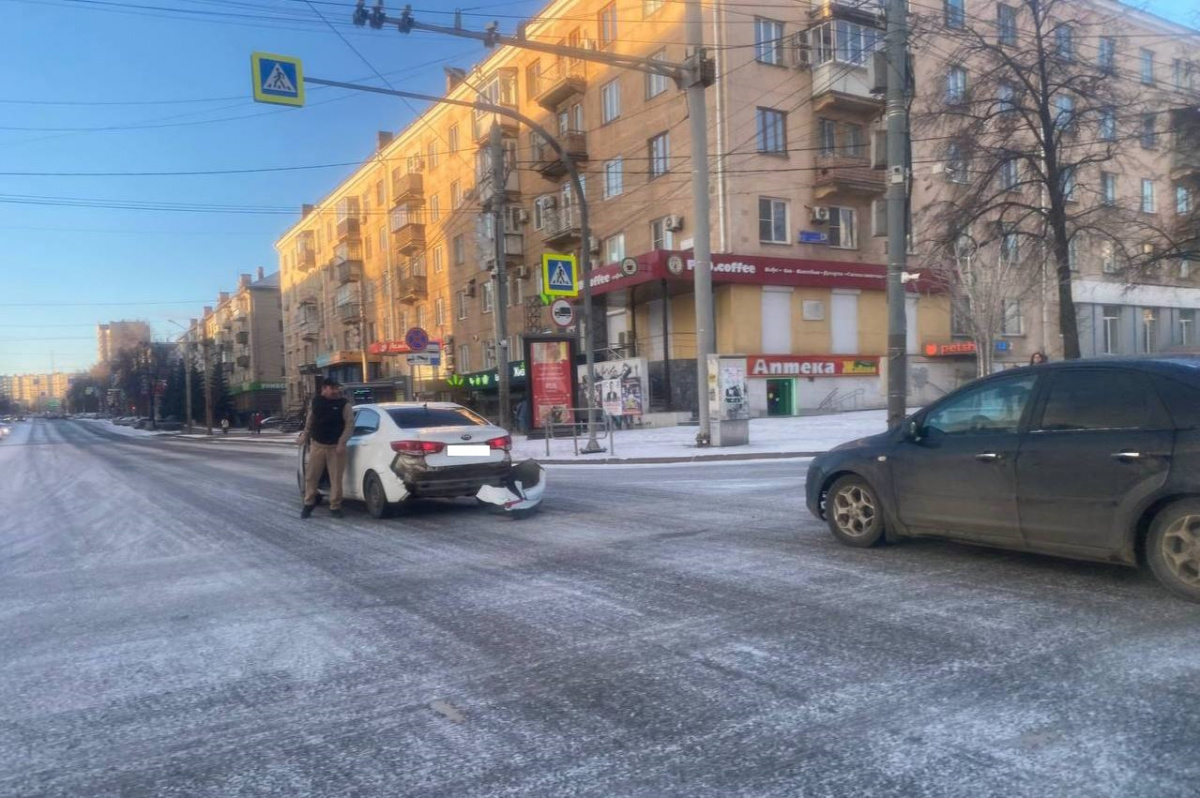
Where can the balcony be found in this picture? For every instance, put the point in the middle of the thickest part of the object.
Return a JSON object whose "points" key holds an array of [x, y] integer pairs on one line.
{"points": [[243, 361], [514, 249], [406, 188], [847, 176], [349, 312], [348, 228], [308, 327], [484, 188], [242, 337], [838, 86], [559, 83], [412, 288], [482, 126], [547, 162], [1185, 152], [865, 11], [409, 238], [560, 227]]}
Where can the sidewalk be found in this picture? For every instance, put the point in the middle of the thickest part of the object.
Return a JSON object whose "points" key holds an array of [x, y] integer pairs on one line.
{"points": [[770, 438]]}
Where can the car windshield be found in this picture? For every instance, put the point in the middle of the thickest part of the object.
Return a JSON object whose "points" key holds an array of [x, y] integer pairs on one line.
{"points": [[419, 417]]}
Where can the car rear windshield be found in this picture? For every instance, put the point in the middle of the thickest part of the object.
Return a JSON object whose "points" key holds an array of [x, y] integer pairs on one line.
{"points": [[417, 417]]}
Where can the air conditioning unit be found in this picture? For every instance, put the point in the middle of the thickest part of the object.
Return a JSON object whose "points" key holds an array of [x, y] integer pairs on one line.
{"points": [[593, 244], [471, 289], [820, 213], [522, 272], [799, 50], [673, 223]]}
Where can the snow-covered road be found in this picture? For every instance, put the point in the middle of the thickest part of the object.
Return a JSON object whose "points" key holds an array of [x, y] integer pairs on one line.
{"points": [[170, 627]]}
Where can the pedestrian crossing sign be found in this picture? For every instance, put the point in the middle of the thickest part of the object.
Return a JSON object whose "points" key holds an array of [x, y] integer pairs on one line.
{"points": [[560, 275], [278, 79]]}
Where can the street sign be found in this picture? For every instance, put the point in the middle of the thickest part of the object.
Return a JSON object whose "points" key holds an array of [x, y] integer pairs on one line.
{"points": [[277, 79], [417, 339], [813, 237], [629, 267], [563, 313], [560, 275], [424, 359]]}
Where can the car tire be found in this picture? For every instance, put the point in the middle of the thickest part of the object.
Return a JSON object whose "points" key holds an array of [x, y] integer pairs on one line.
{"points": [[854, 512], [1173, 548], [375, 497]]}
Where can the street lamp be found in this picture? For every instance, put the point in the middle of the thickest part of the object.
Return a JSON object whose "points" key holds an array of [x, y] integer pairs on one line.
{"points": [[187, 373]]}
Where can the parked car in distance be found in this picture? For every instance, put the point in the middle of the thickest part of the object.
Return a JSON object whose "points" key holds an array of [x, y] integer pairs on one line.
{"points": [[1088, 459]]}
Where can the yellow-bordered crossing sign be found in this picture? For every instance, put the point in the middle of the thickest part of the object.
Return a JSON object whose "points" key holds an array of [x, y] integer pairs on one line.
{"points": [[277, 79], [560, 275]]}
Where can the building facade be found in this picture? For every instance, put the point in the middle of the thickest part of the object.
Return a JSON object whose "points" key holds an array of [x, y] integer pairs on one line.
{"points": [[37, 392], [115, 336], [796, 152]]}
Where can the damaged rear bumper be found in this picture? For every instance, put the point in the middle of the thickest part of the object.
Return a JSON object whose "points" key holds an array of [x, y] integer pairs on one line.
{"points": [[522, 489]]}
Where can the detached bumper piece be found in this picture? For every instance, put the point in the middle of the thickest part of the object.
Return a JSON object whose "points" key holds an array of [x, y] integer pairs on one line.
{"points": [[446, 483], [521, 492]]}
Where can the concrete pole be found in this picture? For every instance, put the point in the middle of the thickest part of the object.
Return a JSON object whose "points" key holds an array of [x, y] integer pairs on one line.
{"points": [[897, 206], [208, 408], [500, 295], [187, 383], [702, 244]]}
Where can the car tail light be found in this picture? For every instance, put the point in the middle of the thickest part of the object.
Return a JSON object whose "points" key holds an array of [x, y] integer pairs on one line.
{"points": [[504, 443], [418, 448]]}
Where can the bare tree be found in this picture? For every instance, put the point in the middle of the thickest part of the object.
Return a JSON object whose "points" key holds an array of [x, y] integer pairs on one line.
{"points": [[1032, 134]]}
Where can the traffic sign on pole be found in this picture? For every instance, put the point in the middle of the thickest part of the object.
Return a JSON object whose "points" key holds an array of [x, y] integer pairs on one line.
{"points": [[560, 274], [563, 313], [277, 79], [417, 339]]}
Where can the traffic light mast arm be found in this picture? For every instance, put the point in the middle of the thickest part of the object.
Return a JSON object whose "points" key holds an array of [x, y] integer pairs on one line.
{"points": [[491, 37]]}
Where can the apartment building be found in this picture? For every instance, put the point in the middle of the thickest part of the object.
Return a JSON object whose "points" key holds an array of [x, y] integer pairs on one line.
{"points": [[797, 157], [244, 331], [116, 336], [37, 391]]}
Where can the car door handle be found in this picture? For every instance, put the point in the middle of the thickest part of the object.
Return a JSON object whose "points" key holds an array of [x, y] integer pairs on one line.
{"points": [[988, 457], [1127, 455]]}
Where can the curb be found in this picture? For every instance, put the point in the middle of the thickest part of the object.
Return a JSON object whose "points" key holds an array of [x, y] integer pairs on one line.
{"points": [[698, 458]]}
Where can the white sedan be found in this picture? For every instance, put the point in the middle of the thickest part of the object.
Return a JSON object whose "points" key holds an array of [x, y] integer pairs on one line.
{"points": [[404, 450]]}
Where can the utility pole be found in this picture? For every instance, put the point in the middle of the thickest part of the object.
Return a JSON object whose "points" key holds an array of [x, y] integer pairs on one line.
{"points": [[187, 382], [500, 295], [897, 206], [206, 345], [702, 244]]}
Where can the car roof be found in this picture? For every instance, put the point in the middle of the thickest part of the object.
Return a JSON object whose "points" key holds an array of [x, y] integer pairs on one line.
{"points": [[411, 405], [1179, 365]]}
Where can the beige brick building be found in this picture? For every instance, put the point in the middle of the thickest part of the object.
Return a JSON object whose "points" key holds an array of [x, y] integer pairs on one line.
{"points": [[115, 336], [796, 152]]}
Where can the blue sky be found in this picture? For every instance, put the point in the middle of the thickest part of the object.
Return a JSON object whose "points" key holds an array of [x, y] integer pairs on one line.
{"points": [[64, 269]]}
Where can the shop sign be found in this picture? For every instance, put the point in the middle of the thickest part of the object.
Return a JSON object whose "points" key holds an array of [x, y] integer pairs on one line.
{"points": [[950, 349], [488, 379], [814, 366], [398, 347]]}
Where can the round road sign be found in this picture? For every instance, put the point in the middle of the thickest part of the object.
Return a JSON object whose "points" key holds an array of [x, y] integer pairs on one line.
{"points": [[563, 313], [417, 339], [629, 267], [675, 265]]}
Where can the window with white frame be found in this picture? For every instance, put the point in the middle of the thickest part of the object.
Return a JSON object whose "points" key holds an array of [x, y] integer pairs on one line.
{"points": [[614, 248], [1108, 124], [956, 85], [651, 7], [1187, 327], [773, 220], [439, 264], [439, 311], [614, 178], [459, 248], [1149, 134], [1106, 58], [843, 228], [610, 101], [956, 163], [607, 24], [1111, 322], [657, 84], [1148, 205], [488, 292], [421, 319], [768, 41], [541, 209], [489, 353], [1064, 42], [955, 13], [1064, 112], [456, 195], [452, 139], [462, 363], [661, 236], [772, 131], [1006, 97], [1010, 244], [460, 304], [844, 42], [1010, 174], [1108, 188], [1178, 73], [1073, 253], [1006, 25], [1149, 330], [1108, 257], [1014, 318], [1147, 63], [435, 208], [432, 155], [660, 155], [826, 137], [1183, 199]]}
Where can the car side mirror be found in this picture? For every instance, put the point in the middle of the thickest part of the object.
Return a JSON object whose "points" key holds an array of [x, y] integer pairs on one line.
{"points": [[912, 430]]}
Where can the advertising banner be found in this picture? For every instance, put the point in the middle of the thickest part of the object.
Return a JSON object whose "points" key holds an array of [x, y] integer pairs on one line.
{"points": [[550, 383], [627, 380]]}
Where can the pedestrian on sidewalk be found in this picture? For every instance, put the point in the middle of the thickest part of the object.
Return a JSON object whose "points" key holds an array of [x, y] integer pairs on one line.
{"points": [[1038, 359], [256, 423], [225, 425], [329, 425]]}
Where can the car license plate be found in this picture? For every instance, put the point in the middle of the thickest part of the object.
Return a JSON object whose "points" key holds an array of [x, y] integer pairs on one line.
{"points": [[468, 450]]}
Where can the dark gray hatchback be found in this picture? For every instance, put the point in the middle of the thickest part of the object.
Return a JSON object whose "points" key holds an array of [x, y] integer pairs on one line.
{"points": [[1088, 459]]}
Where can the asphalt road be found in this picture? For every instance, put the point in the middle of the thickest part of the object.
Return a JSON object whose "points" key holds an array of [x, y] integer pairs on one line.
{"points": [[171, 628]]}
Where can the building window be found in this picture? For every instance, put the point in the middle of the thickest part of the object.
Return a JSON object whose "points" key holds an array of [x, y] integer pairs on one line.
{"points": [[1149, 330], [1006, 98], [1147, 59], [1006, 24], [1010, 176], [661, 237], [607, 19], [459, 250], [463, 361], [1187, 327], [456, 195], [660, 155], [768, 41], [1148, 196], [1073, 253], [772, 131], [432, 155], [1064, 112], [956, 163], [1108, 188], [541, 208], [656, 84], [614, 248], [854, 144], [1178, 74], [489, 354], [1183, 200], [610, 101], [955, 13], [1010, 245], [651, 7], [1107, 58], [461, 304], [843, 232], [1068, 183], [435, 208], [614, 178], [1108, 124], [421, 316], [827, 137], [843, 41], [438, 265], [772, 220], [1014, 318], [439, 312], [1108, 257], [1111, 323], [1064, 42], [489, 296], [956, 85], [452, 139], [379, 196], [1149, 136]]}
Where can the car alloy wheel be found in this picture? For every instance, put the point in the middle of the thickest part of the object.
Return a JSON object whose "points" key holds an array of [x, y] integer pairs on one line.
{"points": [[854, 512], [377, 503], [1181, 549]]}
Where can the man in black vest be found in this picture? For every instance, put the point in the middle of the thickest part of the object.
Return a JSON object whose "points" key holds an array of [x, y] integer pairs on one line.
{"points": [[329, 425]]}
